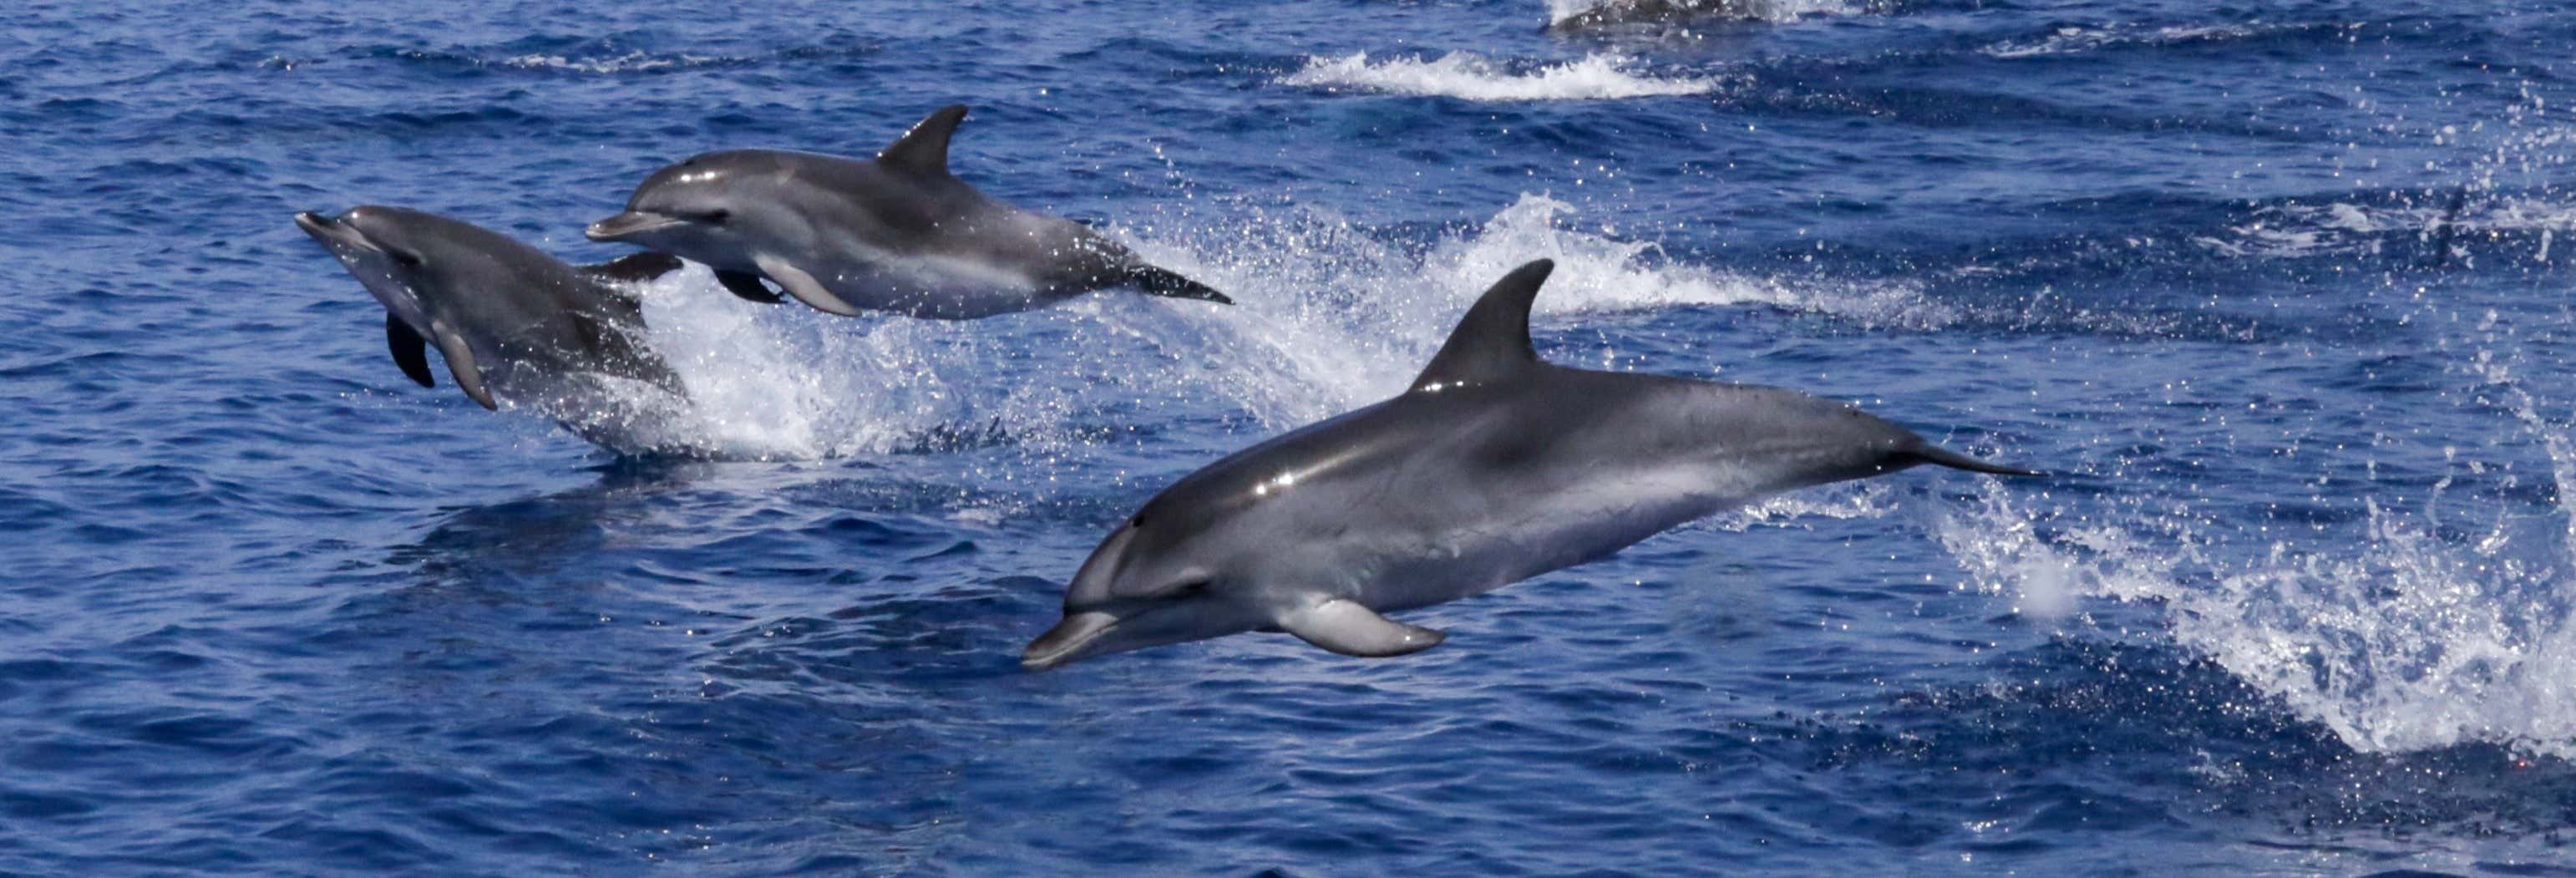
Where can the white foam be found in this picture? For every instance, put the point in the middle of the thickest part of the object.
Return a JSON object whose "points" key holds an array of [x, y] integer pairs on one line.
{"points": [[2291, 231], [1473, 77], [631, 62]]}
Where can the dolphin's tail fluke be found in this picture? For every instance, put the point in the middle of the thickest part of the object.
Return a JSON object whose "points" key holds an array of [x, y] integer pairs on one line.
{"points": [[1935, 454], [1163, 283]]}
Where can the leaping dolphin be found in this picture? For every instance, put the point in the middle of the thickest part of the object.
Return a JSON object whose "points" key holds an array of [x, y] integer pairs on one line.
{"points": [[896, 233], [1494, 467], [513, 323]]}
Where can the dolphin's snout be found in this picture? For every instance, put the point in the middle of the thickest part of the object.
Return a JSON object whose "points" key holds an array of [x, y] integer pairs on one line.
{"points": [[328, 231], [627, 225], [1065, 641]]}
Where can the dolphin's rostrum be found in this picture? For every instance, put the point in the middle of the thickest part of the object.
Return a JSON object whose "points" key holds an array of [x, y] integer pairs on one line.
{"points": [[513, 323], [1493, 467], [897, 233]]}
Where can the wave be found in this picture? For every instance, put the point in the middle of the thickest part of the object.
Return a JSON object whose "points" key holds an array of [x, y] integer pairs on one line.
{"points": [[1468, 76], [1332, 316]]}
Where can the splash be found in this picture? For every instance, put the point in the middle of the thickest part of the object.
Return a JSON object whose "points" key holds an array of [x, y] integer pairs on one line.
{"points": [[1472, 77], [1332, 317], [2409, 628], [1845, 500], [1598, 272]]}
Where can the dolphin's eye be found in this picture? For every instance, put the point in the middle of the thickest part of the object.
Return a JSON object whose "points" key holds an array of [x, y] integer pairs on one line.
{"points": [[1192, 588], [405, 258], [716, 217]]}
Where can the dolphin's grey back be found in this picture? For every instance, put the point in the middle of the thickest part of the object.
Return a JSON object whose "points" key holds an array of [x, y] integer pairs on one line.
{"points": [[1453, 453], [532, 308]]}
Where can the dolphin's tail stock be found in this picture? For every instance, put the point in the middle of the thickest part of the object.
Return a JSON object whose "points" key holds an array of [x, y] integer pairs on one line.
{"points": [[1164, 283], [1934, 454]]}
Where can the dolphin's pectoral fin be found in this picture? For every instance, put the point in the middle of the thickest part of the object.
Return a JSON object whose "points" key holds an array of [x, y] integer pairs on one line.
{"points": [[746, 285], [803, 286], [634, 267], [460, 363], [1345, 627], [411, 352], [1165, 283], [924, 149], [1492, 342]]}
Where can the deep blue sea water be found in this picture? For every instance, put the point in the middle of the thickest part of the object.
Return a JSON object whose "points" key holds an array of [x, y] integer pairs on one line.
{"points": [[2280, 290]]}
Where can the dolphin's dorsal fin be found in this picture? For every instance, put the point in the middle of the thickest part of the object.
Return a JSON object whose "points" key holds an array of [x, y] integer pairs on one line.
{"points": [[1492, 342], [924, 149]]}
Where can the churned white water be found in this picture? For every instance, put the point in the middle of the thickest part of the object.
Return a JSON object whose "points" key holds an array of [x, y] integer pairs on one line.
{"points": [[1474, 77]]}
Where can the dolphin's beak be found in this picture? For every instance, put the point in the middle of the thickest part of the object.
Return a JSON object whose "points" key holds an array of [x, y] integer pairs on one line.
{"points": [[1065, 641], [627, 225], [331, 232]]}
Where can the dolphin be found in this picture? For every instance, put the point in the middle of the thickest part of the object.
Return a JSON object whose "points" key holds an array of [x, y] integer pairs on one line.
{"points": [[1493, 467], [896, 233], [512, 322]]}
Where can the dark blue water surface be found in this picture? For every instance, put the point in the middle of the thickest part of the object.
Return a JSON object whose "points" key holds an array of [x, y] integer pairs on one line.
{"points": [[2280, 290]]}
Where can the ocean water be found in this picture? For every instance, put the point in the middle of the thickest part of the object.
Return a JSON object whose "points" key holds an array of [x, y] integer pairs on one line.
{"points": [[2280, 292]]}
